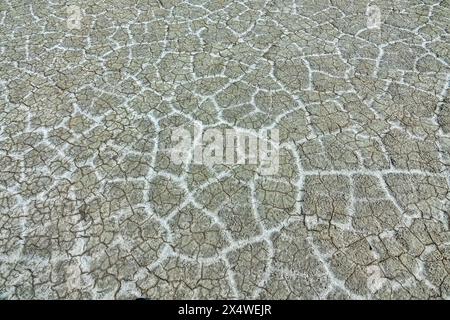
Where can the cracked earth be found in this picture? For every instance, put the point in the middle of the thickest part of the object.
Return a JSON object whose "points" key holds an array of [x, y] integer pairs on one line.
{"points": [[91, 206]]}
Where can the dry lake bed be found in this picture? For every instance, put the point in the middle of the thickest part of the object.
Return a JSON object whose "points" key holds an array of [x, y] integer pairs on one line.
{"points": [[96, 203]]}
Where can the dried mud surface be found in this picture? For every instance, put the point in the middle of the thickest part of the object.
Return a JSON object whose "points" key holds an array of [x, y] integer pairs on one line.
{"points": [[91, 206]]}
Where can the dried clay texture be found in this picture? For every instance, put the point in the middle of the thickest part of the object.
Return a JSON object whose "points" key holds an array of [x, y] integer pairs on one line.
{"points": [[92, 207]]}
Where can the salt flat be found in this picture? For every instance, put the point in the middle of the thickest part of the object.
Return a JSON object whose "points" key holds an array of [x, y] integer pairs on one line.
{"points": [[93, 207]]}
